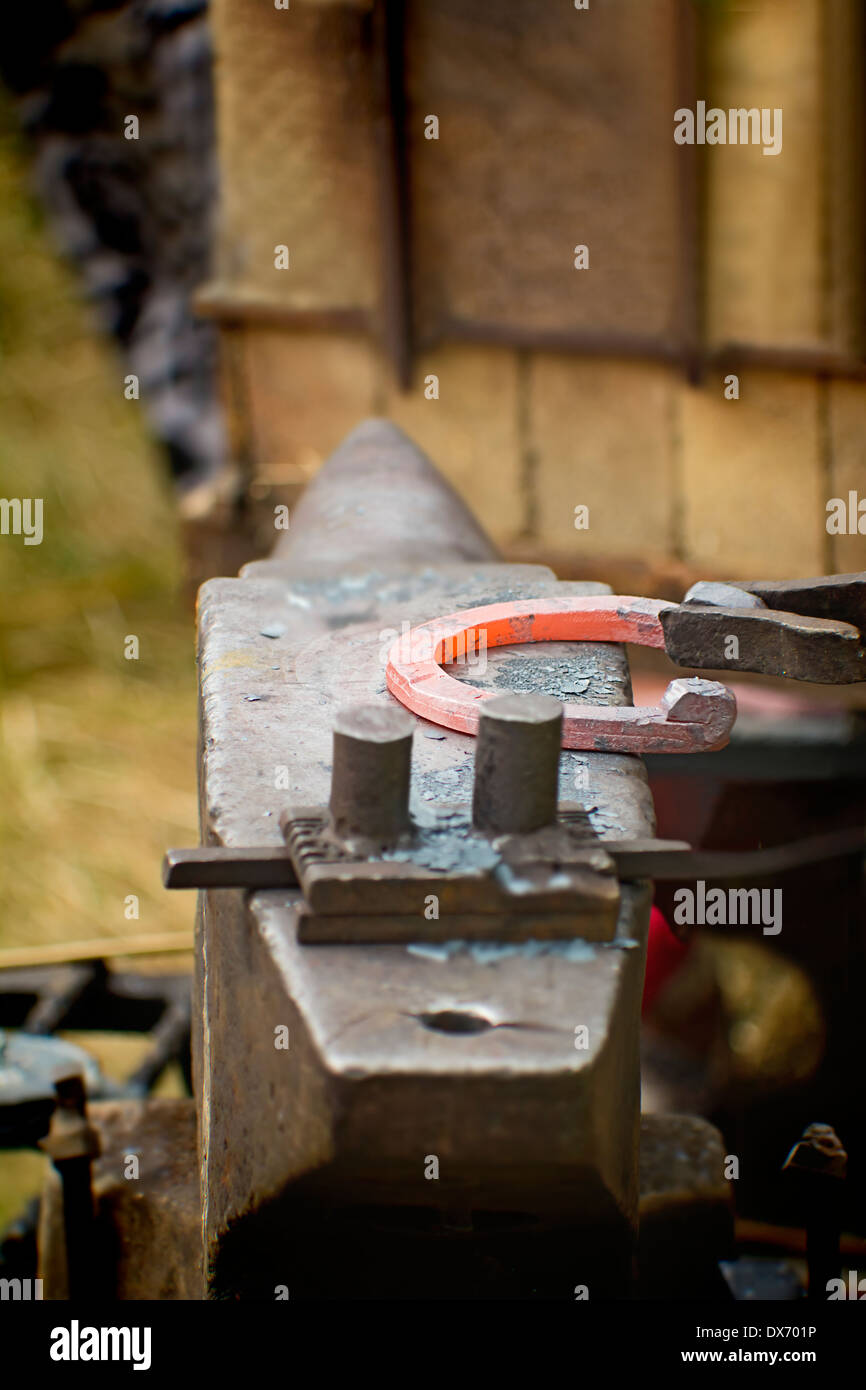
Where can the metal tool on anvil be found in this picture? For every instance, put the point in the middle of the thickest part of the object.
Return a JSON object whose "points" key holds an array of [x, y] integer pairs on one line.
{"points": [[542, 875], [804, 629]]}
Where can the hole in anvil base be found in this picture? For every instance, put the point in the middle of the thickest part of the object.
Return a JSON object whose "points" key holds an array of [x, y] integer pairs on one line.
{"points": [[455, 1021]]}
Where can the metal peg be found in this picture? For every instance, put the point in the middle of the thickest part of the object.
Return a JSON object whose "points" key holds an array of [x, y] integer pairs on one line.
{"points": [[517, 764], [372, 768]]}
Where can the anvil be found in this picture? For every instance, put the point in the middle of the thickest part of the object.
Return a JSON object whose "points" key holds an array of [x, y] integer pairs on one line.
{"points": [[435, 1118]]}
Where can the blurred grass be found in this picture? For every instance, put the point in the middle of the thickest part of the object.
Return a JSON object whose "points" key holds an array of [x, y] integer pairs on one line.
{"points": [[97, 753]]}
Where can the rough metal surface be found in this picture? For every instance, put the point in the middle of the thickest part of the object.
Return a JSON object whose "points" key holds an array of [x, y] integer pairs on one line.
{"points": [[721, 595], [367, 1090], [269, 704]]}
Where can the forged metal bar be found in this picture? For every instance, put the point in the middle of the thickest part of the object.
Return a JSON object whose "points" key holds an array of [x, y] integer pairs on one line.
{"points": [[634, 859], [215, 866], [673, 860], [805, 629]]}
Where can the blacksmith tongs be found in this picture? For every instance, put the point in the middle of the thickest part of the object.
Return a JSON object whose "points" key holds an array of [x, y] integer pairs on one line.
{"points": [[805, 629]]}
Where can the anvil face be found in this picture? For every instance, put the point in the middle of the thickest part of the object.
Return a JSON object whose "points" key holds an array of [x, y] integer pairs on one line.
{"points": [[471, 1086]]}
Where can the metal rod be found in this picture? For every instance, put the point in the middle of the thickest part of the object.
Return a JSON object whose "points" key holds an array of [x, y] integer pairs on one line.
{"points": [[372, 768], [72, 1144], [672, 862], [517, 764], [217, 866]]}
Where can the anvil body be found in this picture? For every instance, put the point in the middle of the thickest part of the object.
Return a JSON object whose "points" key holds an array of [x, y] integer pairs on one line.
{"points": [[350, 1149]]}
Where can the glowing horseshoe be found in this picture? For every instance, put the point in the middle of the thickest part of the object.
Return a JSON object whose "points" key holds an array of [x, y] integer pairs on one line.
{"points": [[693, 715]]}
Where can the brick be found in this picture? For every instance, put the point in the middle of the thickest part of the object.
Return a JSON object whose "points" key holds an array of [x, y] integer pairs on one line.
{"points": [[296, 155], [305, 391], [753, 503], [471, 431], [600, 433], [555, 130]]}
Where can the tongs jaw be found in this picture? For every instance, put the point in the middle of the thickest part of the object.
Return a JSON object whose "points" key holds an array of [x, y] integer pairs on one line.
{"points": [[805, 629]]}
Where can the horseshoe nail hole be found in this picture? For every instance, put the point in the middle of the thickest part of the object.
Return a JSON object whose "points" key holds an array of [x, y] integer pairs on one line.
{"points": [[454, 1021]]}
